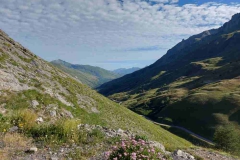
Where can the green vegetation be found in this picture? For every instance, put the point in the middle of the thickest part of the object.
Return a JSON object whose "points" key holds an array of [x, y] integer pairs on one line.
{"points": [[27, 60], [227, 138], [3, 57], [89, 75]]}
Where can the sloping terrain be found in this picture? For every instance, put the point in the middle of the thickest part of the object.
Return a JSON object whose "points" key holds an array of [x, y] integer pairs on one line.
{"points": [[124, 71], [41, 106], [89, 75], [195, 85]]}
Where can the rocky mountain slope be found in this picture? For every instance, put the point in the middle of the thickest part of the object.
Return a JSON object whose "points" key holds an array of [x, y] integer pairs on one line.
{"points": [[195, 85], [89, 75], [43, 109], [124, 71]]}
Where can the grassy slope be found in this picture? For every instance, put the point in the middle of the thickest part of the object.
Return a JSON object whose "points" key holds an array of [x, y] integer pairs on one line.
{"points": [[90, 75], [48, 77]]}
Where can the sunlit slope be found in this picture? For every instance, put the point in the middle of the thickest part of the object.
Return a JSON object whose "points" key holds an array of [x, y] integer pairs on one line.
{"points": [[26, 78]]}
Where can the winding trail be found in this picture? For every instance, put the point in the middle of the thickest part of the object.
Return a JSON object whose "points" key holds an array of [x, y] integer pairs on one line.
{"points": [[185, 130]]}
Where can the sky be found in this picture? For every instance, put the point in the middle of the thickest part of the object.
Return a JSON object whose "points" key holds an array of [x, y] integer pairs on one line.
{"points": [[109, 33]]}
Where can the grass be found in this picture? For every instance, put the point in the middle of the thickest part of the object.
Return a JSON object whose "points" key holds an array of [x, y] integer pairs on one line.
{"points": [[27, 60], [111, 114], [3, 57]]}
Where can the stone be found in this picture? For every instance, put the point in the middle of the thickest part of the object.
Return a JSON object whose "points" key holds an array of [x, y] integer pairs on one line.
{"points": [[53, 113], [2, 109], [13, 129], [181, 155], [120, 131], [157, 145], [33, 149], [39, 120], [35, 103], [54, 158], [94, 110], [68, 114]]}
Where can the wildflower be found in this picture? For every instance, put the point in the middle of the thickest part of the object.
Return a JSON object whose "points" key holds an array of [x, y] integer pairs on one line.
{"points": [[107, 154], [115, 158], [134, 156], [123, 144], [152, 150]]}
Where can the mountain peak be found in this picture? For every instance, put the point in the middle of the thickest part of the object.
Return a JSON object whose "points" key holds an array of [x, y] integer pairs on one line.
{"points": [[232, 25]]}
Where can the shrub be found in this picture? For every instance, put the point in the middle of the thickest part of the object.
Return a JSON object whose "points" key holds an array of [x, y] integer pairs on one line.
{"points": [[24, 119], [60, 132], [138, 137], [132, 150], [227, 138]]}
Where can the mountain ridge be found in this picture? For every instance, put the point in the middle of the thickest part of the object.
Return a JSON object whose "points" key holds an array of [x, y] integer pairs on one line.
{"points": [[93, 76]]}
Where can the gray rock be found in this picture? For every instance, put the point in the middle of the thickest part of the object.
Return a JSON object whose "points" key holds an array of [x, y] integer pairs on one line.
{"points": [[13, 129], [157, 145], [54, 158], [2, 109], [35, 103], [53, 113], [120, 131], [94, 110], [181, 155], [68, 114]]}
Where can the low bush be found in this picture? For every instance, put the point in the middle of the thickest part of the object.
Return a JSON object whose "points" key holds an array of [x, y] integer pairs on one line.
{"points": [[24, 120], [227, 138], [133, 150]]}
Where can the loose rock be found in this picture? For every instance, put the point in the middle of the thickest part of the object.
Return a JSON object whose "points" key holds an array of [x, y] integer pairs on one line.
{"points": [[13, 129]]}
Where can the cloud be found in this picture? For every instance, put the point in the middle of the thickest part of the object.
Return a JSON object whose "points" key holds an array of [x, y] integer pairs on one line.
{"points": [[102, 28]]}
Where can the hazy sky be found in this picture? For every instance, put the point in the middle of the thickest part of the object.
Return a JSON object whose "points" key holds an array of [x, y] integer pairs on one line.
{"points": [[109, 33]]}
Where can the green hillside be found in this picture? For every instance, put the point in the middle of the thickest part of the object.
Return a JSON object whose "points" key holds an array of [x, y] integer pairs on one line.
{"points": [[32, 88], [195, 85], [89, 75]]}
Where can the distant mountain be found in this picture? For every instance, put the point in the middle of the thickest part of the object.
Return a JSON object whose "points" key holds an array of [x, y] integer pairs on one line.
{"points": [[195, 85], [89, 75], [124, 71]]}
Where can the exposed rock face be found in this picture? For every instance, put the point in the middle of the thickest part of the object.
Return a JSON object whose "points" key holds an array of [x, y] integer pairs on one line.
{"points": [[10, 82], [233, 24]]}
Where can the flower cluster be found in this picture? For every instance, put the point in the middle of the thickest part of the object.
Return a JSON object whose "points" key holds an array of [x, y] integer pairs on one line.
{"points": [[134, 150]]}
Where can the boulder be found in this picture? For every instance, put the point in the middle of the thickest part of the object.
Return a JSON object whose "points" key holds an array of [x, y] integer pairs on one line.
{"points": [[181, 155]]}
